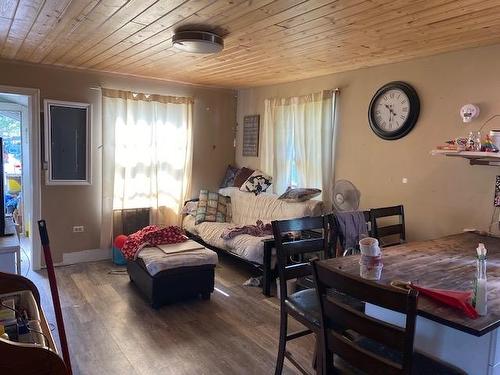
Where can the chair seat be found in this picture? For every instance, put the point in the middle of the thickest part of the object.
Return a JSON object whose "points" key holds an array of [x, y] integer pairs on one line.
{"points": [[305, 304], [307, 282], [422, 364]]}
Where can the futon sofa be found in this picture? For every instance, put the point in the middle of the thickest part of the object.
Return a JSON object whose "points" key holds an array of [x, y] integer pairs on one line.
{"points": [[247, 208]]}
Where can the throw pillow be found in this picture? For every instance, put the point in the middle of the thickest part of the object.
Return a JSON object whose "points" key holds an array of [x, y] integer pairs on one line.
{"points": [[229, 177], [257, 183], [190, 208], [299, 194], [213, 207], [242, 176]]}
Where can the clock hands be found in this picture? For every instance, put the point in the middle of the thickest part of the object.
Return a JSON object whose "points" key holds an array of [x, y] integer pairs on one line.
{"points": [[392, 114], [390, 110]]}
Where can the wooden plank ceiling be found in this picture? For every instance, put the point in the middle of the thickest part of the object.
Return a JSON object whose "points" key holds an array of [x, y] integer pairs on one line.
{"points": [[266, 41]]}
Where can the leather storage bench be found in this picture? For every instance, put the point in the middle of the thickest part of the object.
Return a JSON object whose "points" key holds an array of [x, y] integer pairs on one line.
{"points": [[191, 280]]}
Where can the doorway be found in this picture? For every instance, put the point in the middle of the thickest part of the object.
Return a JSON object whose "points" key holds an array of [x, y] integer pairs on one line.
{"points": [[15, 147], [19, 130]]}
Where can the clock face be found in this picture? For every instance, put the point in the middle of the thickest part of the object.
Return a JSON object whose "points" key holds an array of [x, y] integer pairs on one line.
{"points": [[391, 110], [394, 110]]}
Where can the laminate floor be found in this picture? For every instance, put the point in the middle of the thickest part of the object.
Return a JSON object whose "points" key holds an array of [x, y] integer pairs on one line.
{"points": [[111, 329]]}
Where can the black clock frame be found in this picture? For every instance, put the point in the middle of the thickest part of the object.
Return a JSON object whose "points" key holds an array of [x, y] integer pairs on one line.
{"points": [[412, 116]]}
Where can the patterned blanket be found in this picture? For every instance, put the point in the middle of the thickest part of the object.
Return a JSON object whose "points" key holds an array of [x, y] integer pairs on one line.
{"points": [[258, 230], [151, 235]]}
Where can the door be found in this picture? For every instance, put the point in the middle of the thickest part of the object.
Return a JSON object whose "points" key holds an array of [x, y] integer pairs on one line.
{"points": [[14, 131]]}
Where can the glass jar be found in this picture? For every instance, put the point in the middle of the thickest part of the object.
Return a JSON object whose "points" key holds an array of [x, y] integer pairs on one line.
{"points": [[474, 141]]}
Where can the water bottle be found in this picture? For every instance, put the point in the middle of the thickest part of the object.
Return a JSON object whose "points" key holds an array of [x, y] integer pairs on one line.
{"points": [[480, 299]]}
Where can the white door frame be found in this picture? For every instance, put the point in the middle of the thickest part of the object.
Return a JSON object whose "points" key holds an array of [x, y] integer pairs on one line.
{"points": [[25, 150], [35, 166]]}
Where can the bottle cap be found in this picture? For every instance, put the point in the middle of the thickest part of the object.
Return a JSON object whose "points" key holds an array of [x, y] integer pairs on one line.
{"points": [[481, 250]]}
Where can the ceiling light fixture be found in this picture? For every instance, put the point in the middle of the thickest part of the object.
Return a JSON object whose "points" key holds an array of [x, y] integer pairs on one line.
{"points": [[197, 41]]}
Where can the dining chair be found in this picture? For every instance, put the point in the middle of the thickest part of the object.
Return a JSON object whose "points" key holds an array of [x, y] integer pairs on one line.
{"points": [[335, 244], [386, 233], [303, 305], [355, 343]]}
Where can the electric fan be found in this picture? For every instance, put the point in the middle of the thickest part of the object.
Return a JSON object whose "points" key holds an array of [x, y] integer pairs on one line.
{"points": [[345, 196]]}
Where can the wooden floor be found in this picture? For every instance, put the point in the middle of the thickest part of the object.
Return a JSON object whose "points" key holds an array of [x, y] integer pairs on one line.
{"points": [[112, 330]]}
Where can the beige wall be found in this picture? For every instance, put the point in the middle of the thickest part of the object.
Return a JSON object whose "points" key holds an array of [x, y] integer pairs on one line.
{"points": [[443, 195], [66, 206]]}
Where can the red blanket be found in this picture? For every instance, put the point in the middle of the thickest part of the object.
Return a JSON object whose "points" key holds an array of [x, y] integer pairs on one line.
{"points": [[151, 235]]}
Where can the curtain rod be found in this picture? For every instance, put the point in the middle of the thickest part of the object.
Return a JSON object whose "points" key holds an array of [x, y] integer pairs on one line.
{"points": [[99, 88]]}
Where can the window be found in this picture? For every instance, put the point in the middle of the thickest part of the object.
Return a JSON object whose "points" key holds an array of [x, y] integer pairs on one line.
{"points": [[147, 140], [67, 142], [298, 142]]}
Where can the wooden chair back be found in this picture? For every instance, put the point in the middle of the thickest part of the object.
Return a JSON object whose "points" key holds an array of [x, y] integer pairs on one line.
{"points": [[382, 232], [338, 317], [287, 247]]}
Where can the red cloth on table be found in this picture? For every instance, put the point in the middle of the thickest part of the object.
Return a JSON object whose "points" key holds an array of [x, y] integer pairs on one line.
{"points": [[457, 299], [151, 235]]}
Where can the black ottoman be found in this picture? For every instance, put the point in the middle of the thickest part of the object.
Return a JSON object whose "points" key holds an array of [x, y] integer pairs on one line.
{"points": [[173, 284]]}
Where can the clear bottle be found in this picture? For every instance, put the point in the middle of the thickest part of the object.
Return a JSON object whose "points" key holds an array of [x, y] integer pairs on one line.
{"points": [[480, 298]]}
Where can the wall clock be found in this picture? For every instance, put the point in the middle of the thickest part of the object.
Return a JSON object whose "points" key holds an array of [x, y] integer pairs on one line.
{"points": [[394, 110]]}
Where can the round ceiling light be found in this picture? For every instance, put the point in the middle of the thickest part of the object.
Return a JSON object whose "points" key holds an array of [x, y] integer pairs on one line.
{"points": [[198, 41]]}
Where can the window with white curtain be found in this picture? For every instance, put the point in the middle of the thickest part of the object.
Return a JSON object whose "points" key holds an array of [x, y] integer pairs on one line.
{"points": [[298, 145], [147, 153]]}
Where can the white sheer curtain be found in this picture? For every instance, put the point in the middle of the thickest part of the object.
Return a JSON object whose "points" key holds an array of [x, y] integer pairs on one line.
{"points": [[147, 155], [298, 145]]}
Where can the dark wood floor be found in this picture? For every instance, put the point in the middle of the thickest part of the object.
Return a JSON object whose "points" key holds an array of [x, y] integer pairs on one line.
{"points": [[112, 330]]}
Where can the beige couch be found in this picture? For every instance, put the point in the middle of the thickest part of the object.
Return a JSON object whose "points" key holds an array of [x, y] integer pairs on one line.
{"points": [[247, 208]]}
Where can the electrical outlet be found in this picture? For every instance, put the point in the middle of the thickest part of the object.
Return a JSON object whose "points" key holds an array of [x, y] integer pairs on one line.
{"points": [[78, 229]]}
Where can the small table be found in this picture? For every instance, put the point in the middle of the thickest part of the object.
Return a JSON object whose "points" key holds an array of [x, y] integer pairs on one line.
{"points": [[10, 244], [445, 263]]}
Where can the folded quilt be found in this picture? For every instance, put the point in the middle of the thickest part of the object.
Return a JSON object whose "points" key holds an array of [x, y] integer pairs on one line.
{"points": [[156, 260], [258, 230], [152, 235]]}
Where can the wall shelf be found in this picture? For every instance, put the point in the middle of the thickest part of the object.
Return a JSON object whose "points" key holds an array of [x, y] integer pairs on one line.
{"points": [[474, 157]]}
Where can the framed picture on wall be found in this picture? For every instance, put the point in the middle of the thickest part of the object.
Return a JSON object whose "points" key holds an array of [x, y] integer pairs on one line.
{"points": [[251, 126], [67, 142]]}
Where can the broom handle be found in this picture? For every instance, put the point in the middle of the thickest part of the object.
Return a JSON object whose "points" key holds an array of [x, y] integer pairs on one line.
{"points": [[44, 237]]}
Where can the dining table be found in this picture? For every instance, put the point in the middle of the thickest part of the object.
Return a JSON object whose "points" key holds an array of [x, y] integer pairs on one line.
{"points": [[444, 263]]}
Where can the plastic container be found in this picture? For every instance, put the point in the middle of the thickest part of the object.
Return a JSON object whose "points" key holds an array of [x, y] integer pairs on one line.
{"points": [[369, 246], [118, 258], [370, 261], [370, 272]]}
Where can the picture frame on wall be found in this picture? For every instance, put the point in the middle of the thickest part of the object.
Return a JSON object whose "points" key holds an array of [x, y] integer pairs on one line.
{"points": [[251, 128]]}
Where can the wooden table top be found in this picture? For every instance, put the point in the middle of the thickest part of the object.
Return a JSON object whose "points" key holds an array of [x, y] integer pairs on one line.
{"points": [[445, 263]]}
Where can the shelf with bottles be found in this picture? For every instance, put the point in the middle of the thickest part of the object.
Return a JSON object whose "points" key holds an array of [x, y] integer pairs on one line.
{"points": [[474, 157]]}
